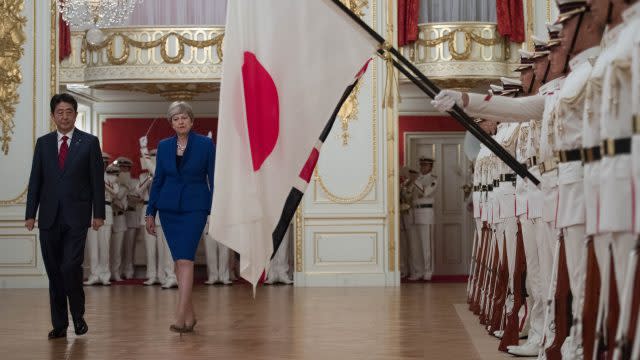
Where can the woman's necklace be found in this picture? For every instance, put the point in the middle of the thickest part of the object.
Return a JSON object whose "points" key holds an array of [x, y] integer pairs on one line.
{"points": [[181, 147]]}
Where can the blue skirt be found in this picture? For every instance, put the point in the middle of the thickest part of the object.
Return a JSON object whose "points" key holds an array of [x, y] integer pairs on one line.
{"points": [[183, 231]]}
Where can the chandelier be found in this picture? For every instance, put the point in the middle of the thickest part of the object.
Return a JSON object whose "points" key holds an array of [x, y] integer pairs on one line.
{"points": [[96, 13]]}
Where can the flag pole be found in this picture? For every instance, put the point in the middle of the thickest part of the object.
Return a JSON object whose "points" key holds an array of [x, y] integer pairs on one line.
{"points": [[429, 88]]}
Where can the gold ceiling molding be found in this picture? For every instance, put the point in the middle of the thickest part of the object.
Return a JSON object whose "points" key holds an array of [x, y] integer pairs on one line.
{"points": [[469, 38], [127, 42], [12, 37], [349, 112]]}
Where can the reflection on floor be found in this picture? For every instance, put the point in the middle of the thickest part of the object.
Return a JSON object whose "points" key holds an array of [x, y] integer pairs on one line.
{"points": [[282, 322]]}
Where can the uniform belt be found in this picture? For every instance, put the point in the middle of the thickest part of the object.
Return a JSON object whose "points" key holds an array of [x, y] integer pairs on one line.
{"points": [[591, 154], [476, 187], [118, 213], [636, 123], [489, 187], [612, 147], [570, 155], [548, 165], [532, 161], [107, 203], [496, 182], [483, 188], [422, 206], [507, 177]]}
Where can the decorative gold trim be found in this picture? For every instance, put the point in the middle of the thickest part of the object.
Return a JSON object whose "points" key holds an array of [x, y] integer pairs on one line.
{"points": [[469, 38], [349, 112], [371, 181], [356, 6], [20, 199], [530, 19], [299, 221], [12, 39], [548, 10], [127, 42], [53, 67], [390, 117]]}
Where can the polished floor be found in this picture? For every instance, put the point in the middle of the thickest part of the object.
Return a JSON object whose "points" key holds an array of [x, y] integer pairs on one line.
{"points": [[415, 321]]}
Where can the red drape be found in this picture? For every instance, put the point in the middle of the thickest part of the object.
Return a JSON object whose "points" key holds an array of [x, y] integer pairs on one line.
{"points": [[423, 124], [120, 137], [64, 39], [408, 21], [510, 16]]}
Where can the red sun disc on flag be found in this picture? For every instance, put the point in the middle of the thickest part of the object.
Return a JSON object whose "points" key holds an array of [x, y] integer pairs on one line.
{"points": [[262, 109]]}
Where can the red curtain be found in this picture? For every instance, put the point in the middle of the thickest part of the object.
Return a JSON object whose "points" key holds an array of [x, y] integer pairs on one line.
{"points": [[510, 15], [423, 124], [64, 39], [120, 137], [408, 21]]}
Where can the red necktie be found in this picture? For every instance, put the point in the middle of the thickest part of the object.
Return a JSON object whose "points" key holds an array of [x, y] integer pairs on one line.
{"points": [[62, 154]]}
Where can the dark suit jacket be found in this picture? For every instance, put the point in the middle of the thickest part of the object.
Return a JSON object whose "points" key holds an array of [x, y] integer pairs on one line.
{"points": [[188, 188], [77, 190]]}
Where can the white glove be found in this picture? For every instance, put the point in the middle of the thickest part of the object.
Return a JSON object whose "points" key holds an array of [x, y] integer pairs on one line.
{"points": [[143, 142], [446, 99], [210, 135]]}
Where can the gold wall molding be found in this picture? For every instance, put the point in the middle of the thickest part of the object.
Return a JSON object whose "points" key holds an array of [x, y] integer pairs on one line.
{"points": [[128, 42], [469, 38], [12, 38], [299, 221], [371, 180], [530, 24], [391, 117], [349, 112], [21, 198]]}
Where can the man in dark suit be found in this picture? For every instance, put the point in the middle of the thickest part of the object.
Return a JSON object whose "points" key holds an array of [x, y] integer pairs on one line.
{"points": [[67, 185]]}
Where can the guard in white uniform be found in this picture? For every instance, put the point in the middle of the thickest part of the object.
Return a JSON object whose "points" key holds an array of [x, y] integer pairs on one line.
{"points": [[119, 204], [279, 268], [406, 220], [160, 265], [426, 185], [131, 214], [98, 241], [218, 257]]}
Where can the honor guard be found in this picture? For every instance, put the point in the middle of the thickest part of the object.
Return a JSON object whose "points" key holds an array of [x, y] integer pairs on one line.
{"points": [[119, 220], [423, 214], [119, 204], [131, 214], [218, 257], [160, 265], [98, 241], [279, 268], [406, 219]]}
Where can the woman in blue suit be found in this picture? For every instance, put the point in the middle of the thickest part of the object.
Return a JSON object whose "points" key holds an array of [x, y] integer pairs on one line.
{"points": [[181, 192]]}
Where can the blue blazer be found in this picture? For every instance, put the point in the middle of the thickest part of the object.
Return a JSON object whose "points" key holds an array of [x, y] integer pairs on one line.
{"points": [[188, 188], [77, 190]]}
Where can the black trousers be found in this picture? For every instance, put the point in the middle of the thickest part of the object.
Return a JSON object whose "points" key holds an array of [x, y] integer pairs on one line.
{"points": [[63, 253]]}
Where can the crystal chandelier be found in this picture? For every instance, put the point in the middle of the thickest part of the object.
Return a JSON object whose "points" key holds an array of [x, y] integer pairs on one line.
{"points": [[96, 13]]}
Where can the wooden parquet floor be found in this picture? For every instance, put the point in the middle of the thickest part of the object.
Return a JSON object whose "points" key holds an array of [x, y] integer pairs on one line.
{"points": [[415, 321]]}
